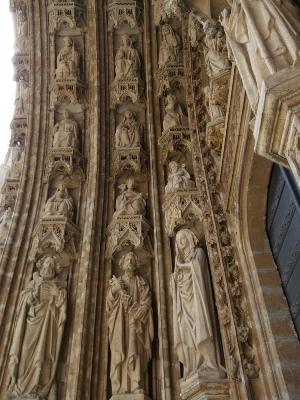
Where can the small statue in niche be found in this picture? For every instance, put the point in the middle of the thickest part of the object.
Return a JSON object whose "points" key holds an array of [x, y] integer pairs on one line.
{"points": [[169, 48], [263, 37], [173, 113], [21, 30], [194, 320], [212, 103], [22, 100], [41, 316], [68, 61], [17, 160], [5, 222], [130, 202], [178, 178], [65, 132], [127, 60], [60, 204], [130, 323], [216, 54], [128, 131]]}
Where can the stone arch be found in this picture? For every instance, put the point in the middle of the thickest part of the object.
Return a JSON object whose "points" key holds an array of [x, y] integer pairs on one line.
{"points": [[274, 338]]}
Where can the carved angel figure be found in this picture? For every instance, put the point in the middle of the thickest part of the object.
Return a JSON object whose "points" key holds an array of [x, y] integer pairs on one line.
{"points": [[178, 178], [5, 222], [128, 131], [264, 37], [60, 204], [39, 327], [216, 54], [194, 320], [65, 132], [169, 48], [130, 324], [17, 160], [127, 62], [68, 61], [130, 202], [173, 113]]}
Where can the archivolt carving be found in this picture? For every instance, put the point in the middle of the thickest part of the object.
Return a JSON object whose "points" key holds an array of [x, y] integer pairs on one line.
{"points": [[5, 223], [131, 160], [65, 13], [122, 12], [175, 139]]}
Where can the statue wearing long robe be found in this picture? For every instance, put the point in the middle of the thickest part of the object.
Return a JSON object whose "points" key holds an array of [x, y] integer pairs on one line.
{"points": [[130, 202], [130, 323], [127, 60], [35, 348], [194, 321], [128, 131], [60, 204], [68, 61], [173, 114], [65, 133], [169, 48], [264, 37], [178, 178]]}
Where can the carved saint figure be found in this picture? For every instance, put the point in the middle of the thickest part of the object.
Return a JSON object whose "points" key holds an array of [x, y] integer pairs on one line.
{"points": [[216, 55], [60, 204], [169, 48], [68, 61], [195, 338], [65, 132], [17, 159], [21, 30], [130, 202], [41, 315], [178, 178], [5, 222], [130, 323], [264, 37], [173, 113], [127, 60], [213, 101], [128, 131], [22, 100]]}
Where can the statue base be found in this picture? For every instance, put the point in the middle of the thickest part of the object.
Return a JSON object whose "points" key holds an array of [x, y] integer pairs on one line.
{"points": [[198, 387], [130, 396]]}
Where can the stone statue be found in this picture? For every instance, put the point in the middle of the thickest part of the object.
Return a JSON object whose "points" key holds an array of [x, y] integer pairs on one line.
{"points": [[213, 105], [178, 178], [216, 54], [65, 132], [127, 60], [5, 222], [128, 131], [39, 327], [68, 61], [17, 160], [173, 113], [169, 48], [130, 202], [130, 324], [194, 320], [22, 100], [264, 37], [21, 30], [60, 204]]}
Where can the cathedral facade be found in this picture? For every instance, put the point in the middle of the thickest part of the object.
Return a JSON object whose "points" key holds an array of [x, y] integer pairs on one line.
{"points": [[150, 211]]}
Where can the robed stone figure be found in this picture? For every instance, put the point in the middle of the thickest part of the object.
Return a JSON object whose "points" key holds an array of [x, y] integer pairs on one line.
{"points": [[40, 321], [194, 318], [130, 323]]}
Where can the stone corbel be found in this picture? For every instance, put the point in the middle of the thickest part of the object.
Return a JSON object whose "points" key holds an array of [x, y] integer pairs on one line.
{"points": [[181, 208], [276, 128], [128, 159], [65, 13], [123, 12], [71, 90], [121, 90], [63, 161], [18, 128], [128, 231], [170, 77], [21, 67], [173, 139], [9, 193]]}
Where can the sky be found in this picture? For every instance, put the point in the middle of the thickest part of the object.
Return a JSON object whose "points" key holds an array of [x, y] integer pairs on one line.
{"points": [[7, 85]]}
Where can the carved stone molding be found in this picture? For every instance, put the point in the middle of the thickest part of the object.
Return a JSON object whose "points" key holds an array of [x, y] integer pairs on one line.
{"points": [[181, 209], [128, 231], [292, 151], [170, 77], [16, 5], [65, 13], [194, 388], [130, 396], [9, 192], [57, 235], [124, 12], [122, 90], [19, 129], [173, 139], [131, 159], [70, 91], [63, 161], [21, 67]]}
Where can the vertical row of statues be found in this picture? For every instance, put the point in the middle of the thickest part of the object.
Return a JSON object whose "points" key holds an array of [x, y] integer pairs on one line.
{"points": [[42, 305]]}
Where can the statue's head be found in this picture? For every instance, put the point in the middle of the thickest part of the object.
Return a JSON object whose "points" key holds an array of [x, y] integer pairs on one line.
{"points": [[47, 267], [129, 114], [61, 191], [173, 166], [166, 29], [185, 239], [66, 114], [68, 42], [171, 99], [129, 262], [126, 41], [130, 183]]}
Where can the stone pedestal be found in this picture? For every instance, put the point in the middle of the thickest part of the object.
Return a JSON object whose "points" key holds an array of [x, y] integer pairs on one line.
{"points": [[196, 387], [130, 396]]}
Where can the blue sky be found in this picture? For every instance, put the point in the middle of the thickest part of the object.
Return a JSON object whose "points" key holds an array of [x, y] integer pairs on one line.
{"points": [[7, 85]]}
